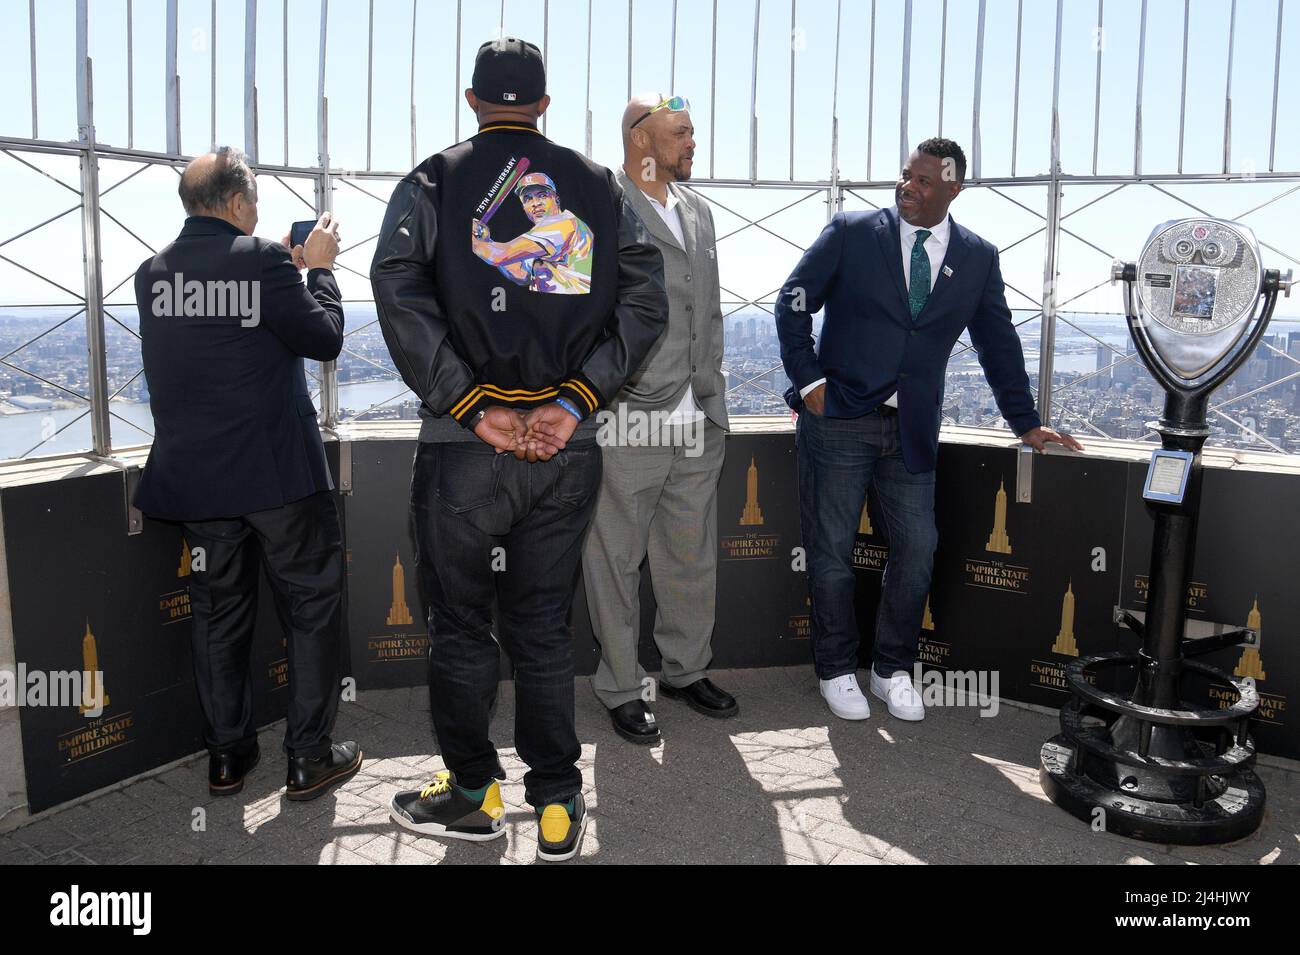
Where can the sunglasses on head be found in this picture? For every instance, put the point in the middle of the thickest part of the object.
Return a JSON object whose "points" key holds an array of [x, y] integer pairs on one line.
{"points": [[674, 104]]}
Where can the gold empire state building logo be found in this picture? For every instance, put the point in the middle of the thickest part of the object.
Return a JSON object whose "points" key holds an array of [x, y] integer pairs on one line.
{"points": [[1065, 643], [927, 621], [864, 523], [752, 515], [1250, 664], [90, 667], [183, 570], [399, 615], [998, 542]]}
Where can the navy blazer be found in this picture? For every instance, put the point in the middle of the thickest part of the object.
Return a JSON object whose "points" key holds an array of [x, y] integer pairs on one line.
{"points": [[234, 425], [870, 346]]}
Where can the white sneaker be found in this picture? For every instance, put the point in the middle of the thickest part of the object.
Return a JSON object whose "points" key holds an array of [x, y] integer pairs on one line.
{"points": [[845, 698], [899, 695]]}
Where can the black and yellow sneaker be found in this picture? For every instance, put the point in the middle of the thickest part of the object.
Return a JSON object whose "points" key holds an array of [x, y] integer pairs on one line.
{"points": [[560, 826], [443, 808]]}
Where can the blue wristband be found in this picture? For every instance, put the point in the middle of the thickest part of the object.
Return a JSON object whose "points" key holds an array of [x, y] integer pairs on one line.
{"points": [[568, 406]]}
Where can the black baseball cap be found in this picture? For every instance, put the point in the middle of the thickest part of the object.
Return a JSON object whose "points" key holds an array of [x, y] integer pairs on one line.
{"points": [[509, 71]]}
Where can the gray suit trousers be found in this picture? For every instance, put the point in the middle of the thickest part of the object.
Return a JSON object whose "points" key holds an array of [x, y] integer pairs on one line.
{"points": [[660, 503]]}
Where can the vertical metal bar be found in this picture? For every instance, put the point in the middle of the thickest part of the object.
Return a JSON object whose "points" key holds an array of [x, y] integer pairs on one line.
{"points": [[629, 49], [173, 83], [588, 103], [370, 79], [415, 6], [329, 381], [1137, 112], [455, 80], [84, 79], [1277, 72], [31, 56], [975, 148], [546, 47], [85, 90], [1099, 42], [903, 149], [1047, 324], [1056, 86], [672, 57], [1182, 96], [250, 79], [753, 97], [130, 78], [1015, 96], [212, 77], [943, 59], [794, 6], [871, 89], [101, 441], [835, 195], [284, 63], [713, 89], [1227, 92], [322, 109]]}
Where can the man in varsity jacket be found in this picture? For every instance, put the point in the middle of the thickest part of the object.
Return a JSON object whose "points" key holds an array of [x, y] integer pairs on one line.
{"points": [[517, 291]]}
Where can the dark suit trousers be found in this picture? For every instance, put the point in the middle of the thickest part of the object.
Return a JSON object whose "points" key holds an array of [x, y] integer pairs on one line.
{"points": [[301, 547]]}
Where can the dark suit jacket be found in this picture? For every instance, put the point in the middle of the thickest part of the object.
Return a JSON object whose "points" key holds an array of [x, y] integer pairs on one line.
{"points": [[870, 346], [234, 425]]}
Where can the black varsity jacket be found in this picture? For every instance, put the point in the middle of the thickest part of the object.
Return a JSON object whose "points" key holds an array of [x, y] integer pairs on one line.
{"points": [[511, 271]]}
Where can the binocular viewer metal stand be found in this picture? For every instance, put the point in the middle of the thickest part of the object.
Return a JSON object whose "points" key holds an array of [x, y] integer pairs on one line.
{"points": [[1148, 764]]}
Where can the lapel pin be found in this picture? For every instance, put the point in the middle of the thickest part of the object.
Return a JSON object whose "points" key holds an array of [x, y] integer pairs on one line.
{"points": [[947, 271]]}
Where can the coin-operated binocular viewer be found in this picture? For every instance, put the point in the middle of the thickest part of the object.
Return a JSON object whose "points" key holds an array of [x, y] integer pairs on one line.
{"points": [[1146, 763]]}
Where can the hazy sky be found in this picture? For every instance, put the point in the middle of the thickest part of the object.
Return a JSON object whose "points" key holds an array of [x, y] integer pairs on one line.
{"points": [[753, 263]]}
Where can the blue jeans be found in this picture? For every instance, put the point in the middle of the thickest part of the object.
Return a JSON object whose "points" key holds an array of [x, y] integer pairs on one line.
{"points": [[493, 530], [839, 458]]}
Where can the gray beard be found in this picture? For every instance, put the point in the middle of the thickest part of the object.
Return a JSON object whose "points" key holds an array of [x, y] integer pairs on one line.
{"points": [[674, 171]]}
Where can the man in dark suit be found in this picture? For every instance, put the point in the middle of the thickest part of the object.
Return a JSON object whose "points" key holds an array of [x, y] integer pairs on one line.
{"points": [[898, 286], [225, 322]]}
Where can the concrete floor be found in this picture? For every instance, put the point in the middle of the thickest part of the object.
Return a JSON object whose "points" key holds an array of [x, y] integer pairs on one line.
{"points": [[784, 782]]}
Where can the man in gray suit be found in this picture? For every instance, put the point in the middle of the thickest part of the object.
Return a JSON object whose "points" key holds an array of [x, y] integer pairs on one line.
{"points": [[663, 447]]}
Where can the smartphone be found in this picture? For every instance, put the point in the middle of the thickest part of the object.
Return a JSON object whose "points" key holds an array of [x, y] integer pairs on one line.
{"points": [[299, 231]]}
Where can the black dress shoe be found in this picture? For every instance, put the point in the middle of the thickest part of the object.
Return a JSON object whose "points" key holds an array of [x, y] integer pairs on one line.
{"points": [[311, 776], [703, 697], [634, 722], [226, 771]]}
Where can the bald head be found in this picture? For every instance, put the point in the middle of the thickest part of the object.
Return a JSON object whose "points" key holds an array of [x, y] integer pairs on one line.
{"points": [[659, 148], [637, 107], [221, 184]]}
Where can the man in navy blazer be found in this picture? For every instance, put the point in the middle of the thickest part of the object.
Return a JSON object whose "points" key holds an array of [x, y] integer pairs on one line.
{"points": [[225, 323], [898, 287]]}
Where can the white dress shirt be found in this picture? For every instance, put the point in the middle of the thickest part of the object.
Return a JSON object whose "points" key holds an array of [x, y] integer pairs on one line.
{"points": [[936, 247], [688, 409]]}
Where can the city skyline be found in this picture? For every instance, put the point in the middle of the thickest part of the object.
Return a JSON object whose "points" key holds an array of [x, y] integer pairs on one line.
{"points": [[802, 108]]}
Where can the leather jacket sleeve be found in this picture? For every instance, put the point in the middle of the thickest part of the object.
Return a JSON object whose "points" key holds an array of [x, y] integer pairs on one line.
{"points": [[414, 326], [640, 313]]}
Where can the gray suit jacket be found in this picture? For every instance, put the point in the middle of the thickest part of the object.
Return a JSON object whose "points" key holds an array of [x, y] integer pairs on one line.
{"points": [[690, 350]]}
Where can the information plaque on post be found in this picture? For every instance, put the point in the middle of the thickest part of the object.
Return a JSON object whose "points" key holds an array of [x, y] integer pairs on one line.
{"points": [[1144, 763]]}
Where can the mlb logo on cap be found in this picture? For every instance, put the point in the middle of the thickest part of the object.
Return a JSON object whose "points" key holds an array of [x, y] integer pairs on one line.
{"points": [[509, 70]]}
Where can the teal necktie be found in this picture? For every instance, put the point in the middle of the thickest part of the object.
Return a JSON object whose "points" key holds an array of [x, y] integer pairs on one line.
{"points": [[918, 289]]}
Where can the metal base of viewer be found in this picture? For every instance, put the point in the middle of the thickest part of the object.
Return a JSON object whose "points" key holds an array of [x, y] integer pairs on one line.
{"points": [[1233, 814]]}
